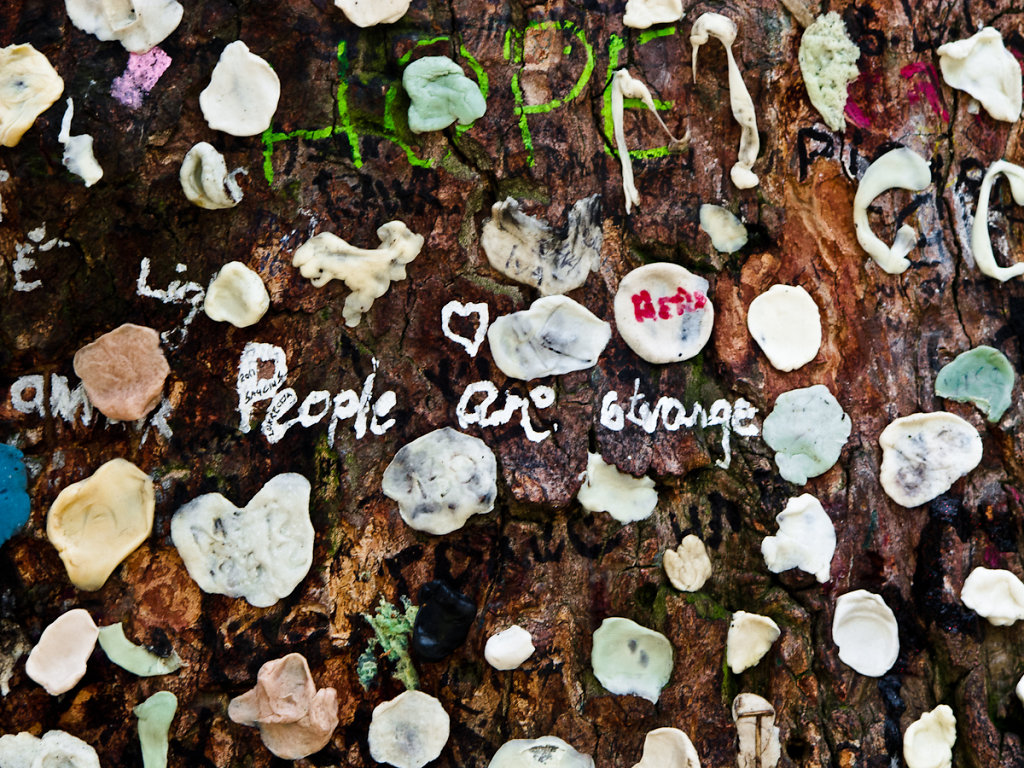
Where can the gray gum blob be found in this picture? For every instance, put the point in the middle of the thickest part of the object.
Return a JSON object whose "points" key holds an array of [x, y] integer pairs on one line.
{"points": [[529, 250], [442, 479]]}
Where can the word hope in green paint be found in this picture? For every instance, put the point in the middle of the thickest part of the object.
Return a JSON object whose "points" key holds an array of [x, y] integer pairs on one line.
{"points": [[395, 127]]}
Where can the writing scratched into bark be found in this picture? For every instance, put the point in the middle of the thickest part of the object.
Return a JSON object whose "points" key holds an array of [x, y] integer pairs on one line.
{"points": [[481, 412], [177, 292], [482, 404], [25, 262]]}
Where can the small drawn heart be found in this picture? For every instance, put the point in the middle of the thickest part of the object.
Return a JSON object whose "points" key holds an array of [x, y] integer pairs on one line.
{"points": [[465, 310]]}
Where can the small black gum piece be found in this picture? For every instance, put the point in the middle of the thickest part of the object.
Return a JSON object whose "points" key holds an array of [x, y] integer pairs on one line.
{"points": [[442, 622]]}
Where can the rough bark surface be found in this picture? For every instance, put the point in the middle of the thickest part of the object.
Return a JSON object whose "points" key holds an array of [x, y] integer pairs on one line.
{"points": [[538, 559]]}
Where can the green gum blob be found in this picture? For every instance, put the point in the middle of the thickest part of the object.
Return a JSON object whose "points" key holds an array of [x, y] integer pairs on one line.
{"points": [[807, 429], [155, 715], [441, 94], [982, 376], [136, 659], [630, 659]]}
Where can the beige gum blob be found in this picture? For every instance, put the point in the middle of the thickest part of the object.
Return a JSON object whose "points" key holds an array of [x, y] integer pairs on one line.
{"points": [[96, 523]]}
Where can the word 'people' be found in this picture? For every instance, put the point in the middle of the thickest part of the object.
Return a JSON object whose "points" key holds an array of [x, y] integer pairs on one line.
{"points": [[254, 387]]}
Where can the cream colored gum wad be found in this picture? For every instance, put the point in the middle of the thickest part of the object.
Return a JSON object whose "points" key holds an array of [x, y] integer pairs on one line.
{"points": [[723, 28], [786, 324], [28, 86], [96, 523]]}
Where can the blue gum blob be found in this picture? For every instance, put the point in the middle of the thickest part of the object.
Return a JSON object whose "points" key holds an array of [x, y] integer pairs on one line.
{"points": [[14, 501]]}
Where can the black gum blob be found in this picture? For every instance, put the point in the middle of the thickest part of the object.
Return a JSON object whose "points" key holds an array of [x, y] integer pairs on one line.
{"points": [[442, 622]]}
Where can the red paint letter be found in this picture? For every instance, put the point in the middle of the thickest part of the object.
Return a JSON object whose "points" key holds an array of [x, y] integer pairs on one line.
{"points": [[643, 307]]}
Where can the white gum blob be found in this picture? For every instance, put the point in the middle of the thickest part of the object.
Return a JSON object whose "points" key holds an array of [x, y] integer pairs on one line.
{"points": [[928, 741], [828, 63], [668, 748], [629, 659], [545, 752], [205, 179], [924, 454], [236, 295], [688, 566], [509, 648], [78, 155], [555, 335], [19, 750], [981, 66], [723, 28], [996, 594], [981, 242], [641, 14], [663, 312], [624, 497], [758, 735], [749, 639], [806, 539], [369, 13], [243, 93], [727, 233], [900, 168], [531, 251], [786, 324], [261, 551], [625, 86], [58, 660], [368, 273], [137, 24], [57, 749], [865, 631], [409, 731]]}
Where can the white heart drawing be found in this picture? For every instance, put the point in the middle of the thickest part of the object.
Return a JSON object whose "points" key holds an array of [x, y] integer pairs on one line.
{"points": [[465, 310]]}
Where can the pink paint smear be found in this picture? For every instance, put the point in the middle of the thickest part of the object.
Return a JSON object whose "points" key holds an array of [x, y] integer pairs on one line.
{"points": [[139, 77], [856, 116], [991, 557], [925, 86]]}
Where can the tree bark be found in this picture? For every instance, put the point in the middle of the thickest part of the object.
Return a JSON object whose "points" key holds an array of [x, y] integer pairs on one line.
{"points": [[340, 158]]}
